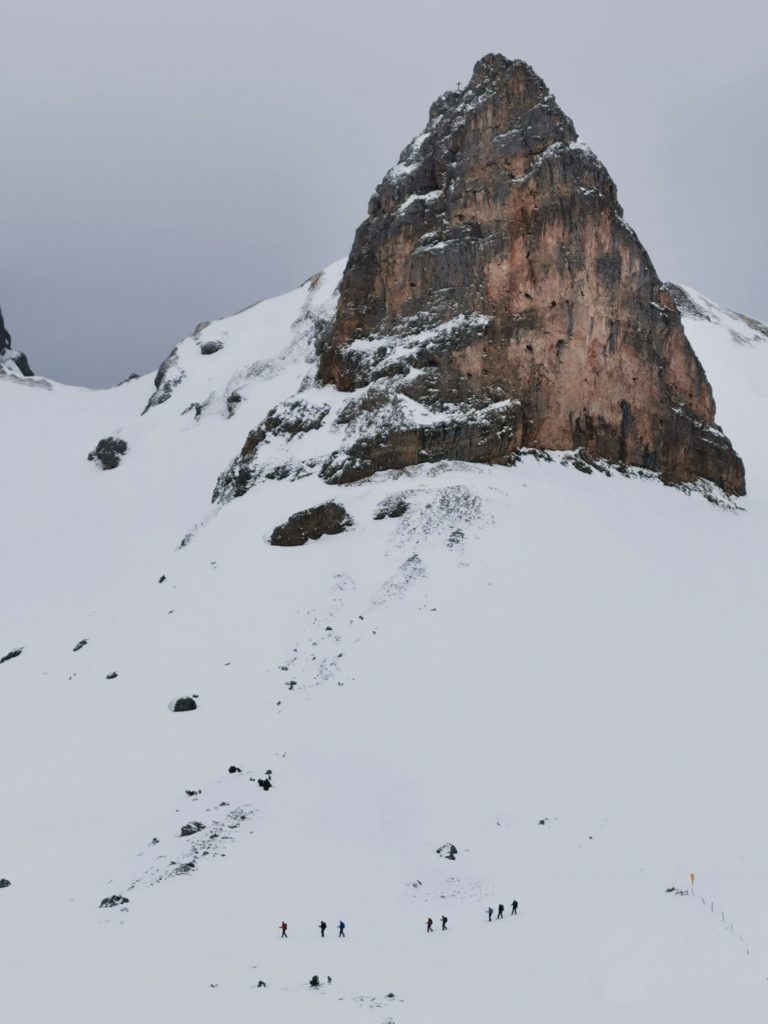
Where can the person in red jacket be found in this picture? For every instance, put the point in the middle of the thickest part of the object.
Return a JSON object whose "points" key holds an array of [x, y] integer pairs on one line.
{"points": [[429, 924], [283, 930]]}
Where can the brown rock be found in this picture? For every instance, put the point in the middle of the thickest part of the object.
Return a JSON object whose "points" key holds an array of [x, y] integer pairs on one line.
{"points": [[311, 524], [496, 263]]}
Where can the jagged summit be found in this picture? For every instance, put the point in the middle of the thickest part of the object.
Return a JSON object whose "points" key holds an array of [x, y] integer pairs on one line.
{"points": [[496, 285], [11, 362]]}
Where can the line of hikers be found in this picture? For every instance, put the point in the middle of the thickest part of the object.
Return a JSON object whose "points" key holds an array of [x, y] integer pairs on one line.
{"points": [[443, 921], [500, 910], [322, 926]]}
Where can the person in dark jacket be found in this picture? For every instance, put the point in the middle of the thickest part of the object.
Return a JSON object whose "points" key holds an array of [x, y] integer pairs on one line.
{"points": [[444, 923], [500, 911], [323, 926], [283, 930], [490, 913], [342, 926], [429, 924], [514, 906]]}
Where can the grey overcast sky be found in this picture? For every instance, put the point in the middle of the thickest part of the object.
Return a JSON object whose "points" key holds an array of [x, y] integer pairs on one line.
{"points": [[164, 162]]}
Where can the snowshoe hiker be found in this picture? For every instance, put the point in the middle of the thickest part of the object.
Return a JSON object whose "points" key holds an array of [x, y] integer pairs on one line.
{"points": [[490, 913], [500, 912], [283, 930], [514, 906], [323, 926], [444, 923], [342, 926], [314, 981], [429, 924]]}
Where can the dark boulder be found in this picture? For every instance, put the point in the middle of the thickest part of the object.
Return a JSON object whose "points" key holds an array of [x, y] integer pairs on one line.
{"points": [[185, 704], [113, 901], [311, 524], [233, 769], [11, 654], [108, 452], [4, 883], [79, 646], [207, 348], [191, 828], [447, 850]]}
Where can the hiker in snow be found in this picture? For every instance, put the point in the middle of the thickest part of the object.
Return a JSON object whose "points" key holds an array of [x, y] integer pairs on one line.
{"points": [[429, 924], [514, 907], [283, 930], [444, 923], [342, 926], [500, 911], [490, 913], [323, 926], [314, 981]]}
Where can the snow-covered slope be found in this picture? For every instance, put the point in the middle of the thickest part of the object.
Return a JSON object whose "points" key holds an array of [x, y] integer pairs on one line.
{"points": [[559, 673]]}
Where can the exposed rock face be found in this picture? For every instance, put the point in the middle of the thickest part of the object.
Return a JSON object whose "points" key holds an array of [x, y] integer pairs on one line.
{"points": [[11, 360], [311, 524], [496, 284]]}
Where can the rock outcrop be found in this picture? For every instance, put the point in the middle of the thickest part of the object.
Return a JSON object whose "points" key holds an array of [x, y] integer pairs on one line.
{"points": [[11, 361], [311, 524], [108, 453], [496, 288]]}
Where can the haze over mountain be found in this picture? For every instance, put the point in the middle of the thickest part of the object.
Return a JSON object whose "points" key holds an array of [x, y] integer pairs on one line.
{"points": [[435, 583]]}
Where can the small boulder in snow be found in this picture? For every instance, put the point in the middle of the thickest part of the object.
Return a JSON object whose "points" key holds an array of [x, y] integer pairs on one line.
{"points": [[4, 883], [207, 348], [447, 850], [311, 524], [191, 828], [108, 452], [113, 901], [79, 645], [185, 704], [11, 654]]}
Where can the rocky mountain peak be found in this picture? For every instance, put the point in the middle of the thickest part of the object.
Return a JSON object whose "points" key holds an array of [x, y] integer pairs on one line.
{"points": [[11, 362], [495, 287]]}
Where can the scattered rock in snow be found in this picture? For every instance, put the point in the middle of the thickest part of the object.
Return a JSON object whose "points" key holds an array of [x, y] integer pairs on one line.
{"points": [[207, 348], [265, 783], [112, 675], [193, 792], [391, 508], [108, 452], [234, 398], [191, 828], [113, 901], [4, 883], [162, 579], [233, 768], [448, 851], [79, 645], [11, 654], [311, 524], [185, 704]]}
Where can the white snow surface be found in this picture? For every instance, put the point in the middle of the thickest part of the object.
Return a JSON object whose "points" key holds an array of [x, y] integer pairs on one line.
{"points": [[524, 645]]}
